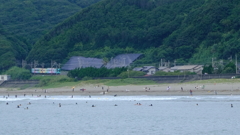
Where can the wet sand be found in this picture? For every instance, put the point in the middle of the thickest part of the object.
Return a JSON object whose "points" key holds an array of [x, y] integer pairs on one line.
{"points": [[156, 90]]}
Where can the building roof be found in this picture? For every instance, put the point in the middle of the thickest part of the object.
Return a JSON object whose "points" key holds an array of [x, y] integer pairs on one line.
{"points": [[162, 68], [138, 69], [146, 68], [185, 67], [122, 60], [82, 62]]}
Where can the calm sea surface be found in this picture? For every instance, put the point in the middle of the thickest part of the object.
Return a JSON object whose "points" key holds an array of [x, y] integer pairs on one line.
{"points": [[169, 115]]}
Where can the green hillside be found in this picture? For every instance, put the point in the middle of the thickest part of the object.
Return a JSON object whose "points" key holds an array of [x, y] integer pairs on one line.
{"points": [[12, 50], [182, 30], [31, 19]]}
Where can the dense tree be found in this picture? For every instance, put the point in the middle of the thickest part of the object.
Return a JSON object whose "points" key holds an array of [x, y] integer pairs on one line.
{"points": [[95, 72], [31, 19], [187, 31]]}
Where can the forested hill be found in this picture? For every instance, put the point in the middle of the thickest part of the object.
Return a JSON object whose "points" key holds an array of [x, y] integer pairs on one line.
{"points": [[11, 49], [181, 30], [31, 19]]}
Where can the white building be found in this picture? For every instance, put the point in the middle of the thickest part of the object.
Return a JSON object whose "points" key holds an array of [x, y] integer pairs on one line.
{"points": [[164, 69], [149, 70], [5, 77], [191, 68]]}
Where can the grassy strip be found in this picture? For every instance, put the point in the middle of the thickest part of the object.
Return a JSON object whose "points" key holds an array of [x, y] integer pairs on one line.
{"points": [[64, 81]]}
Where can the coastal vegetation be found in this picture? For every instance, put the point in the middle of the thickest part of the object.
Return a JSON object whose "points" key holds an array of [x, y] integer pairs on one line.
{"points": [[17, 73], [31, 19], [22, 23], [95, 72], [64, 81], [182, 30]]}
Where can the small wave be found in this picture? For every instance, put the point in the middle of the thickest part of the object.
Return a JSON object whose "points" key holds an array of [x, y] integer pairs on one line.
{"points": [[129, 98]]}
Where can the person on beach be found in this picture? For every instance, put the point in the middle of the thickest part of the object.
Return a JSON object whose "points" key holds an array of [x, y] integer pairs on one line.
{"points": [[191, 92], [60, 105], [232, 105], [181, 88], [7, 103], [168, 88]]}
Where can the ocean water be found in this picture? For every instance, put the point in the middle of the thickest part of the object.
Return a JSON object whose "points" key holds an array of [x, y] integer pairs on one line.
{"points": [[169, 115]]}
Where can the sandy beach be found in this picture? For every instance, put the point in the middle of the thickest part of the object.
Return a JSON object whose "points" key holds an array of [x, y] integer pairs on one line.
{"points": [[156, 90]]}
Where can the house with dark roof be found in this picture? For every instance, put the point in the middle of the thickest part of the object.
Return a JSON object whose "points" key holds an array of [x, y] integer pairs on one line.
{"points": [[122, 60], [82, 62], [149, 70]]}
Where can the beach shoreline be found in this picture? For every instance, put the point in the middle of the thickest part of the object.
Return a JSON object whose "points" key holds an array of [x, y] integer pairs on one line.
{"points": [[130, 90]]}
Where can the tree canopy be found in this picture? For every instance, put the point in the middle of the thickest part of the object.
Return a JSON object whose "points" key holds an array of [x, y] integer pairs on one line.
{"points": [[182, 30]]}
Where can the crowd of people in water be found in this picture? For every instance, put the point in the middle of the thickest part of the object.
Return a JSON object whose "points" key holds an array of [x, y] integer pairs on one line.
{"points": [[60, 105]]}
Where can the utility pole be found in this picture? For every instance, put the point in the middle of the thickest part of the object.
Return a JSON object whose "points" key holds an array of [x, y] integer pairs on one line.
{"points": [[236, 63], [161, 62], [24, 63], [35, 63], [213, 62]]}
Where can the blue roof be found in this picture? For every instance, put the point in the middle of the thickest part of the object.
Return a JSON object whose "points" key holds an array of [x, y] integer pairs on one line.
{"points": [[122, 60], [82, 62]]}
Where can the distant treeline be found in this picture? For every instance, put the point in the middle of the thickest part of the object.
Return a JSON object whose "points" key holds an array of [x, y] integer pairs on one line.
{"points": [[95, 72]]}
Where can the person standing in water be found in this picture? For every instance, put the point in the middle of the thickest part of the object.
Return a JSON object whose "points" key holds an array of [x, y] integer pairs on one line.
{"points": [[191, 92]]}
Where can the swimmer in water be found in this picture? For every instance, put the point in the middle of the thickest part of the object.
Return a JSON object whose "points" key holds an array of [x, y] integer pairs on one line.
{"points": [[115, 105], [150, 105], [232, 105], [93, 106], [7, 103], [60, 105]]}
